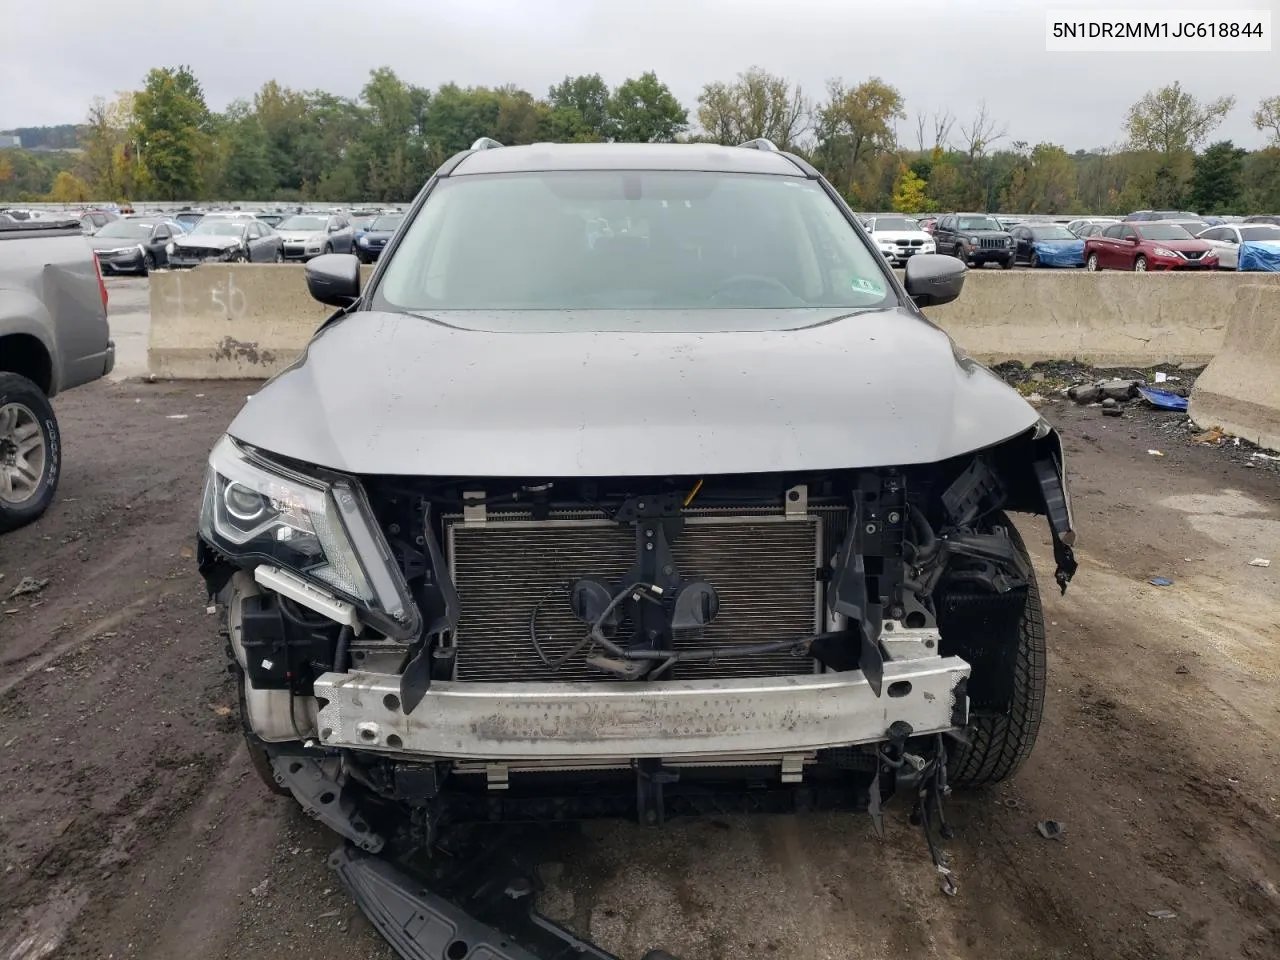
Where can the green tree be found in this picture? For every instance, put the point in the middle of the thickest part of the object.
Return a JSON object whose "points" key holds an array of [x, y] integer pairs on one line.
{"points": [[1171, 120], [854, 126], [756, 104], [582, 107], [1217, 185], [68, 188], [1267, 119], [1042, 182], [171, 121], [909, 192], [643, 110], [1262, 181]]}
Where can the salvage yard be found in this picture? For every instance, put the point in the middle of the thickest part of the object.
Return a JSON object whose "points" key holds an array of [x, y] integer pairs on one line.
{"points": [[132, 826]]}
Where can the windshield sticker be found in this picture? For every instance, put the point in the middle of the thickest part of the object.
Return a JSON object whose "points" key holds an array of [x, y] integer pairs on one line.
{"points": [[867, 286]]}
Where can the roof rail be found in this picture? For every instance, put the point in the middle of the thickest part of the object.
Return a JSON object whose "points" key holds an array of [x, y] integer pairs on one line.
{"points": [[760, 143], [485, 143]]}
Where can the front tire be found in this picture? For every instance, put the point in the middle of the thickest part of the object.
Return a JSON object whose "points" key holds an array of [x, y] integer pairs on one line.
{"points": [[30, 452], [1092, 264], [1140, 265], [1001, 741], [148, 263], [1035, 260], [1006, 264]]}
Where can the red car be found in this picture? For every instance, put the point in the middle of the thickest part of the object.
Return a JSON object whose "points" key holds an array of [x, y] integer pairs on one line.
{"points": [[1142, 246]]}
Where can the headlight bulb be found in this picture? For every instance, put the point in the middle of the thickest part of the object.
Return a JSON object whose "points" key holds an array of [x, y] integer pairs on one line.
{"points": [[243, 503]]}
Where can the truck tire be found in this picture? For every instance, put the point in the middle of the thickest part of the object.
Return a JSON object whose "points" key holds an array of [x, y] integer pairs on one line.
{"points": [[999, 743], [30, 452]]}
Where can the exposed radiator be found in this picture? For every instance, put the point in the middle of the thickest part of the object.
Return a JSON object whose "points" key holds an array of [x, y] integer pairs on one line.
{"points": [[762, 566]]}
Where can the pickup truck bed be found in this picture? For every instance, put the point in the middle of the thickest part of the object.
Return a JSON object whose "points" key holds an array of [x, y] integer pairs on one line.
{"points": [[53, 336]]}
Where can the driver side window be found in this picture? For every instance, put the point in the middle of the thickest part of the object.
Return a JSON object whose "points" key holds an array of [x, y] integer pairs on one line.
{"points": [[1128, 233]]}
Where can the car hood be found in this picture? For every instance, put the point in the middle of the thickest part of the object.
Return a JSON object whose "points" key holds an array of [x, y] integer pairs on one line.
{"points": [[983, 233], [896, 235], [399, 394], [1185, 246], [378, 234], [207, 241], [1074, 243], [302, 236], [111, 243]]}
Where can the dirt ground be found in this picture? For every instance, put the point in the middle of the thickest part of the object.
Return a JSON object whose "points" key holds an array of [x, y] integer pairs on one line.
{"points": [[132, 827]]}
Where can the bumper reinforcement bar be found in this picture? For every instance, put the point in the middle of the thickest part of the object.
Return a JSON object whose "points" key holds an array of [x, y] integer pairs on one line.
{"points": [[672, 719]]}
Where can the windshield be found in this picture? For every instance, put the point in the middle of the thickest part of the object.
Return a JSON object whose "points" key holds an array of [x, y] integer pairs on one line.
{"points": [[1162, 231], [386, 224], [979, 223], [126, 230], [894, 223], [307, 224], [1052, 233], [217, 228], [630, 239], [1259, 233]]}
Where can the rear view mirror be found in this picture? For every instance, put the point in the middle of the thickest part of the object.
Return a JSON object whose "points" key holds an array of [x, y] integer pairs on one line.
{"points": [[334, 278], [932, 279]]}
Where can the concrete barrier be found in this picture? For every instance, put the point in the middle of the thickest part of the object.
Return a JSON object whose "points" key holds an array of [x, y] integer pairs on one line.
{"points": [[223, 321], [1106, 319], [1240, 390], [230, 321]]}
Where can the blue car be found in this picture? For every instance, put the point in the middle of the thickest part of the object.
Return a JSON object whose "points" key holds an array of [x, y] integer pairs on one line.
{"points": [[371, 243], [1047, 245]]}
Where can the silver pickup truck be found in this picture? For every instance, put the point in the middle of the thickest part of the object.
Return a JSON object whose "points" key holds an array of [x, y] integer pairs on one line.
{"points": [[53, 336]]}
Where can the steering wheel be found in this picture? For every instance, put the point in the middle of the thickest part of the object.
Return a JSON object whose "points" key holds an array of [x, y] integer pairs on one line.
{"points": [[747, 283]]}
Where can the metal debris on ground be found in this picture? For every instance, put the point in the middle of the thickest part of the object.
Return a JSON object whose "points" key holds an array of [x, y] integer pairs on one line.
{"points": [[1162, 914], [1259, 562], [1155, 453], [28, 586], [1265, 456], [1160, 582], [177, 416], [1051, 829]]}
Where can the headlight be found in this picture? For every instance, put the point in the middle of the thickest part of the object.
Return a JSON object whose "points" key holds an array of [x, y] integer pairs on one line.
{"points": [[973, 240], [168, 248], [321, 529], [363, 241], [1008, 241], [1163, 252]]}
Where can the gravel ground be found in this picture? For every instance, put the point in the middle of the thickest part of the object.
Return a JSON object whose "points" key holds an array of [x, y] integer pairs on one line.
{"points": [[132, 827]]}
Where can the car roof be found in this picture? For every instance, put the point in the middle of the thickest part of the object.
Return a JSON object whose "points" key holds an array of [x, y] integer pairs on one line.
{"points": [[705, 157]]}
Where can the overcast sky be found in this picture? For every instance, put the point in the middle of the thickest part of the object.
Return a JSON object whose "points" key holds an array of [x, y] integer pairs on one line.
{"points": [[59, 54]]}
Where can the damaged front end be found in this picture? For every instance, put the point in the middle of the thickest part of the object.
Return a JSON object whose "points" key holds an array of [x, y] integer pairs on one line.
{"points": [[454, 650]]}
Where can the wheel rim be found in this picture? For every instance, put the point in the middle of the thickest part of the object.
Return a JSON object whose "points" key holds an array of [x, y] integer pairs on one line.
{"points": [[22, 453], [279, 257], [1091, 263], [1139, 266]]}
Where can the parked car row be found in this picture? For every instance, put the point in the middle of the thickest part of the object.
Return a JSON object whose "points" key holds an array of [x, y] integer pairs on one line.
{"points": [[137, 243]]}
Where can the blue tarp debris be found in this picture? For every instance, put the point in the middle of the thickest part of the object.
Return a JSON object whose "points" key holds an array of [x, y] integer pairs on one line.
{"points": [[1163, 399], [1259, 255]]}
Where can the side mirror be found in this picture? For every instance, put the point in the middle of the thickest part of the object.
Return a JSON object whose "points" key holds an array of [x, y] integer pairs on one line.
{"points": [[1133, 240], [334, 278], [932, 278]]}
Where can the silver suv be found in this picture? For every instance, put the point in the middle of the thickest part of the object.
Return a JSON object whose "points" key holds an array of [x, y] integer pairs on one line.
{"points": [[634, 483]]}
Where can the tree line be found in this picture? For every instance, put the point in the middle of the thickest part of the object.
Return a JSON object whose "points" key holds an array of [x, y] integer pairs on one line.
{"points": [[163, 142]]}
